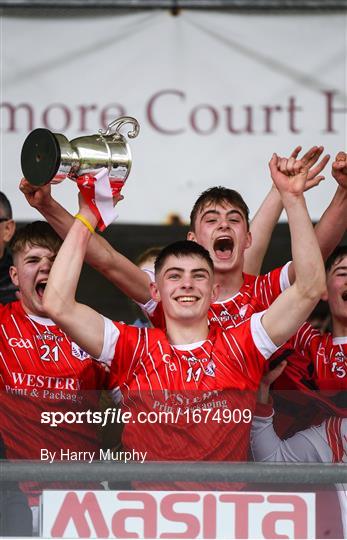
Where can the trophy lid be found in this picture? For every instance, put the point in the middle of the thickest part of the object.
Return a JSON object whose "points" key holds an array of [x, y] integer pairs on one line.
{"points": [[40, 157]]}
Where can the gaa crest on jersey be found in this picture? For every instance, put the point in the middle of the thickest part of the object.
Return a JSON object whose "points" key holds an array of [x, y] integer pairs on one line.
{"points": [[242, 311], [78, 352], [21, 343], [210, 369]]}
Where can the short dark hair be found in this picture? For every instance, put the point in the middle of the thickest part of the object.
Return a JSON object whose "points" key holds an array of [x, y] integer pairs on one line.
{"points": [[218, 195], [5, 206], [181, 249], [337, 255], [38, 233]]}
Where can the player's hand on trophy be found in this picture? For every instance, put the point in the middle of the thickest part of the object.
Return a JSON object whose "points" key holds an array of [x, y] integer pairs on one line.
{"points": [[292, 175], [37, 196], [267, 380], [339, 169]]}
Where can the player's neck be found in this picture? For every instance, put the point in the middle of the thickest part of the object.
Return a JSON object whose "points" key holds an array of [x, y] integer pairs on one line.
{"points": [[32, 312], [229, 283], [183, 333], [339, 327]]}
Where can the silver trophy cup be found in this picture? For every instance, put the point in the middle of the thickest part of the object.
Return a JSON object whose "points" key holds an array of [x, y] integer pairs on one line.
{"points": [[49, 157]]}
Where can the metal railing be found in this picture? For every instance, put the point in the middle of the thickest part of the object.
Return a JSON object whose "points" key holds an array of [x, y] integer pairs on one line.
{"points": [[275, 473], [178, 4]]}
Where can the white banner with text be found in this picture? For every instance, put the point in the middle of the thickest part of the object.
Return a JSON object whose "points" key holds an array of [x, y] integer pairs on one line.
{"points": [[215, 93]]}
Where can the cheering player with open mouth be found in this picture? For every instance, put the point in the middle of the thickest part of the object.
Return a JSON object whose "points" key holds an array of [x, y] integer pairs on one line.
{"points": [[41, 368]]}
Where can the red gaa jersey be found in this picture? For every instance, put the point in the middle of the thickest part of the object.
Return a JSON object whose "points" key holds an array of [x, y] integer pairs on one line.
{"points": [[314, 383], [41, 369], [256, 294], [327, 355], [188, 402]]}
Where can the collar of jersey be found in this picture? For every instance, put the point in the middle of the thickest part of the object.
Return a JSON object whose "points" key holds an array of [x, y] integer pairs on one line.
{"points": [[189, 346], [226, 300], [41, 320], [341, 340]]}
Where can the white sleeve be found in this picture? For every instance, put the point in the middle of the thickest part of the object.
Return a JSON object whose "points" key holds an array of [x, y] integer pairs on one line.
{"points": [[284, 277], [111, 335], [309, 445], [149, 307], [116, 395], [260, 337]]}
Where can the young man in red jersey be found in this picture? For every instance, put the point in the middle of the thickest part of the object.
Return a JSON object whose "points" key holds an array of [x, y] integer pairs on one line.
{"points": [[314, 384], [191, 366], [324, 356], [240, 294], [328, 352], [41, 368]]}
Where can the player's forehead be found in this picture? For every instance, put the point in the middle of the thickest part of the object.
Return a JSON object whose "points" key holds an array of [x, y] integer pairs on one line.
{"points": [[339, 264], [187, 262], [219, 208], [35, 250]]}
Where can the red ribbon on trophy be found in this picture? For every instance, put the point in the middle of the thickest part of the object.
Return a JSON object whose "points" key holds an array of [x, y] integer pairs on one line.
{"points": [[99, 191]]}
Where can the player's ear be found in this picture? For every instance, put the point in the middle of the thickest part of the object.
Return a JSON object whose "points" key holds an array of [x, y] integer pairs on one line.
{"points": [[325, 295], [215, 292], [191, 236], [154, 291], [14, 275], [248, 240], [10, 228]]}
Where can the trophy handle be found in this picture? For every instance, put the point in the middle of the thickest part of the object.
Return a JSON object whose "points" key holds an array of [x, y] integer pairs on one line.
{"points": [[117, 124]]}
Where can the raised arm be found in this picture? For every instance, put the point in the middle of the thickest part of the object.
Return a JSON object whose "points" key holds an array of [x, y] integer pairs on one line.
{"points": [[268, 214], [121, 272], [261, 228], [83, 324], [333, 223], [294, 305]]}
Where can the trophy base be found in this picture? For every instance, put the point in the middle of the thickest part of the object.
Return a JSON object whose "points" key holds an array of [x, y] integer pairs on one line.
{"points": [[40, 157]]}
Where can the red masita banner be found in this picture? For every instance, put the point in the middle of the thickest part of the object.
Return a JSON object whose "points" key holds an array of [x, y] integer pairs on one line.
{"points": [[165, 514]]}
